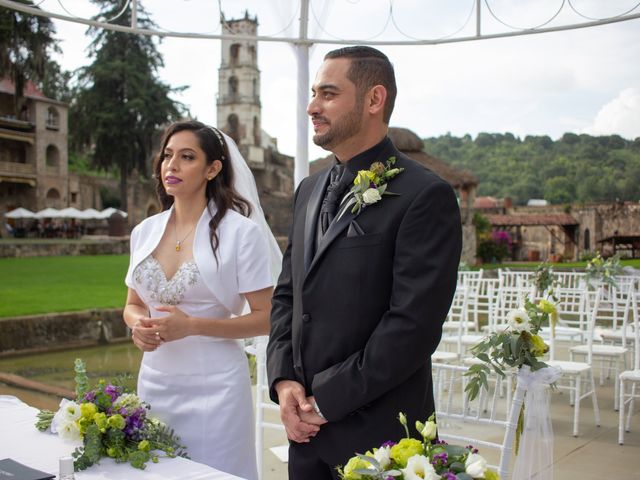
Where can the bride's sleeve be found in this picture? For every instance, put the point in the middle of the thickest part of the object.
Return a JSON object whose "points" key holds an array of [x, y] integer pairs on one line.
{"points": [[133, 240], [252, 260]]}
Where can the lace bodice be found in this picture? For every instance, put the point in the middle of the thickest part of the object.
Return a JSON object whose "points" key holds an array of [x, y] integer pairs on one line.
{"points": [[150, 275]]}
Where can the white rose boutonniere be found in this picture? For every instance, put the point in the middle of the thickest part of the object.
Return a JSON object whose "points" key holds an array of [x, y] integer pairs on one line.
{"points": [[369, 186]]}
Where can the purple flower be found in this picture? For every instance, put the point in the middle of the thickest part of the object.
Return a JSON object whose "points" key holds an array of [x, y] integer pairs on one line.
{"points": [[388, 443], [112, 391], [90, 396], [448, 476]]}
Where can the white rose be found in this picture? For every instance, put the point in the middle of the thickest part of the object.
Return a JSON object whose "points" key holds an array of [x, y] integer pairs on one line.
{"points": [[475, 465], [429, 431], [383, 456], [371, 195], [519, 320], [419, 468], [64, 421]]}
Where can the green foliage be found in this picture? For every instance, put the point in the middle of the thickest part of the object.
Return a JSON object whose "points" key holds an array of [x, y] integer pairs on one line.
{"points": [[575, 168], [26, 41], [517, 345], [599, 270], [121, 103], [491, 251]]}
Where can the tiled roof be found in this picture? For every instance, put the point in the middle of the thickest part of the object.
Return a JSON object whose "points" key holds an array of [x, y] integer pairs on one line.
{"points": [[30, 90], [532, 219]]}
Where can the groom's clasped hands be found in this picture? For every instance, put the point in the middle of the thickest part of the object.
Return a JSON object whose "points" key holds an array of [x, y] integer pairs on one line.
{"points": [[300, 420]]}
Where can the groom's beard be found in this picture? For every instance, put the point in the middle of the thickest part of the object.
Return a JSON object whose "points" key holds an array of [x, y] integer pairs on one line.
{"points": [[341, 129]]}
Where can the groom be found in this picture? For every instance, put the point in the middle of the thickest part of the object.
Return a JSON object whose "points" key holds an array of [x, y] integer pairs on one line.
{"points": [[361, 299]]}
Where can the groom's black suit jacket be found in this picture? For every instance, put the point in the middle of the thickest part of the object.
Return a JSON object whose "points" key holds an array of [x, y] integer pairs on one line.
{"points": [[356, 319]]}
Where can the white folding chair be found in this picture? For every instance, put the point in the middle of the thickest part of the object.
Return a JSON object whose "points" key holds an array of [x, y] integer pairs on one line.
{"points": [[630, 376], [496, 418], [577, 372], [262, 401], [614, 307]]}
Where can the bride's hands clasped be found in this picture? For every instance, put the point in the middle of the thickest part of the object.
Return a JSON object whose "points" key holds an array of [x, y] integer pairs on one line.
{"points": [[174, 326]]}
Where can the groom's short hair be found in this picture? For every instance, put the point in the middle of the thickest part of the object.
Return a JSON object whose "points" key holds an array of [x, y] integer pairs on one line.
{"points": [[369, 67]]}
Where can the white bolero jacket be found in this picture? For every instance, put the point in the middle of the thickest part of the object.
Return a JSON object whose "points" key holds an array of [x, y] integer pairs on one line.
{"points": [[242, 257]]}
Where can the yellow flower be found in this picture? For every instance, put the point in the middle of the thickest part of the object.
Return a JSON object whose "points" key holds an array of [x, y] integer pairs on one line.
{"points": [[88, 410], [538, 347], [100, 419], [354, 463], [366, 176], [116, 421], [491, 475], [144, 446], [547, 307], [407, 448]]}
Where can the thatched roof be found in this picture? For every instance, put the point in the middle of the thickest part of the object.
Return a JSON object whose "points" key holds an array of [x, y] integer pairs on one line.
{"points": [[411, 145]]}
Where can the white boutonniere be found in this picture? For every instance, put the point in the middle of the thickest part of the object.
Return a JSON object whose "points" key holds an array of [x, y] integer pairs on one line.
{"points": [[369, 186]]}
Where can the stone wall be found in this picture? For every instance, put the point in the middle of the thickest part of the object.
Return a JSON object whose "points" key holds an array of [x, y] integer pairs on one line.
{"points": [[113, 246], [37, 332]]}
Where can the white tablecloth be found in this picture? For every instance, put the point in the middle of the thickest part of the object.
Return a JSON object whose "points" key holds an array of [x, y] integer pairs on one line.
{"points": [[22, 442]]}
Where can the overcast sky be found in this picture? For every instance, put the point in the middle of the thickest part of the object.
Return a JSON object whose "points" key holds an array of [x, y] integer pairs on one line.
{"points": [[582, 81]]}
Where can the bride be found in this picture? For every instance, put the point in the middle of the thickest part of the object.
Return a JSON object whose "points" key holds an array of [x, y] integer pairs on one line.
{"points": [[192, 268]]}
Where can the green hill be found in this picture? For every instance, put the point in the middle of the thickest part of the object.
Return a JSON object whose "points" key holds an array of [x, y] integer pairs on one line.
{"points": [[573, 169]]}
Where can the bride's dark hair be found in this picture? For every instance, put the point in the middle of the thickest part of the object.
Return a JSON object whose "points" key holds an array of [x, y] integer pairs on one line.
{"points": [[220, 189]]}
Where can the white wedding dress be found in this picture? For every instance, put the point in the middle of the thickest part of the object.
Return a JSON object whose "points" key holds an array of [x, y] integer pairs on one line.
{"points": [[199, 386]]}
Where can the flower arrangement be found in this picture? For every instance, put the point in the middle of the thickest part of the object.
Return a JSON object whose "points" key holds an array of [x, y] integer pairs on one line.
{"points": [[369, 186], [543, 280], [111, 422], [517, 345], [601, 270], [412, 459]]}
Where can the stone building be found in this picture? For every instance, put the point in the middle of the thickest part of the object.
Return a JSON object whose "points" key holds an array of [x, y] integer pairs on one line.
{"points": [[239, 116], [568, 232], [463, 182]]}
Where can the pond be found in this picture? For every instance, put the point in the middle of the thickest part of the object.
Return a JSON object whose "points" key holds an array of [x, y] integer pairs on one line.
{"points": [[56, 368]]}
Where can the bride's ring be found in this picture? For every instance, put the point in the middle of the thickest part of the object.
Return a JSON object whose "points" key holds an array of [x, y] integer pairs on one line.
{"points": [[158, 335]]}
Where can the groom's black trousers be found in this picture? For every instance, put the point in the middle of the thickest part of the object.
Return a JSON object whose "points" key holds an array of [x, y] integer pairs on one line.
{"points": [[305, 464]]}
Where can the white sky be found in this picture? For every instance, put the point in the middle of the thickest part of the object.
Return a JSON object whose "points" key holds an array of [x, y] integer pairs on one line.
{"points": [[582, 81]]}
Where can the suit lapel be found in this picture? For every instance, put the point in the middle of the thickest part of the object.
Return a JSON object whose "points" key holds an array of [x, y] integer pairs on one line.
{"points": [[311, 220]]}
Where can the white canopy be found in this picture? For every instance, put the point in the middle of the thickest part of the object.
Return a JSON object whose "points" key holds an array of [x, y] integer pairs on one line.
{"points": [[48, 213], [20, 213], [71, 212], [107, 212], [91, 214]]}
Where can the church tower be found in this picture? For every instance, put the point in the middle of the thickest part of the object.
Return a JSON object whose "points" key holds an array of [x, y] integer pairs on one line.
{"points": [[239, 88]]}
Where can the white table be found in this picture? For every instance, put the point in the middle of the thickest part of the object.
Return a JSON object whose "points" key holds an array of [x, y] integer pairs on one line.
{"points": [[22, 442]]}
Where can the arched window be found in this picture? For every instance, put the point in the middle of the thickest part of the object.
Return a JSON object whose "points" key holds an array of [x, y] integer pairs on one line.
{"points": [[52, 156], [233, 127], [233, 86], [53, 198], [256, 131], [234, 54], [53, 118], [587, 239]]}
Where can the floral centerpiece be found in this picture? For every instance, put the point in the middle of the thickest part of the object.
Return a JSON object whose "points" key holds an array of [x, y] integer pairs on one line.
{"points": [[544, 280], [110, 421], [369, 186], [412, 459], [516, 345], [601, 270]]}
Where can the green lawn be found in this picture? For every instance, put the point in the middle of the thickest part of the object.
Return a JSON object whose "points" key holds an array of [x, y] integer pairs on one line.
{"points": [[61, 284]]}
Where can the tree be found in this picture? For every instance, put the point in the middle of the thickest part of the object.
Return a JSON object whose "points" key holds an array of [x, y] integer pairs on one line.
{"points": [[120, 102], [26, 42]]}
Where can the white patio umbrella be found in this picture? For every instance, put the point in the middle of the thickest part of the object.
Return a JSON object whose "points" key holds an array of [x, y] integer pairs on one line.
{"points": [[71, 212], [48, 213], [91, 214], [107, 212], [20, 213]]}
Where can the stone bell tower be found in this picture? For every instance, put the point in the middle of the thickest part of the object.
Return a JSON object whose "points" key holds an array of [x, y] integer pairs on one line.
{"points": [[239, 88]]}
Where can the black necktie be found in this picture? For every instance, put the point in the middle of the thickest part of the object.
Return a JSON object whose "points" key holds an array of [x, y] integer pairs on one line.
{"points": [[334, 192]]}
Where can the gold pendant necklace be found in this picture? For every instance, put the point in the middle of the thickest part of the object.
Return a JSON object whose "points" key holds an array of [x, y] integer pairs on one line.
{"points": [[175, 229]]}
